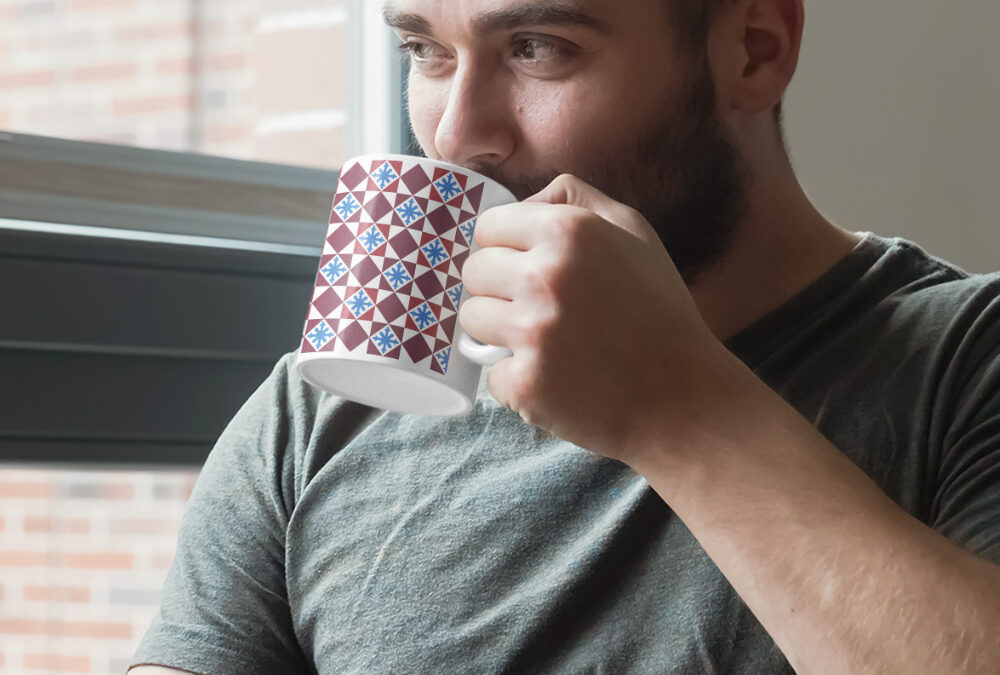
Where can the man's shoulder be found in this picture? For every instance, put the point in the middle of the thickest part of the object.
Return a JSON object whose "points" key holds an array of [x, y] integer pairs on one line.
{"points": [[921, 286]]}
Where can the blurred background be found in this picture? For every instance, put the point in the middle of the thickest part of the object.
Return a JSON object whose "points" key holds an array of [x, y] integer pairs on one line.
{"points": [[166, 169]]}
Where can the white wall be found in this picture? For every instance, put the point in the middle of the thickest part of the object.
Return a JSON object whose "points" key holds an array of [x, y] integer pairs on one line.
{"points": [[893, 121]]}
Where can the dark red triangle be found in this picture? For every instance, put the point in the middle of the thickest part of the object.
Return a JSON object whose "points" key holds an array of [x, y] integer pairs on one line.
{"points": [[448, 326], [475, 196]]}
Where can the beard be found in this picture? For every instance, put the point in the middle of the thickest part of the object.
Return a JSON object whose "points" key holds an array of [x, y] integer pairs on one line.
{"points": [[684, 176]]}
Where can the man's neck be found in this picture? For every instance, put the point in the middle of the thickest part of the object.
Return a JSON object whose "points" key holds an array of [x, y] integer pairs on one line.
{"points": [[782, 245]]}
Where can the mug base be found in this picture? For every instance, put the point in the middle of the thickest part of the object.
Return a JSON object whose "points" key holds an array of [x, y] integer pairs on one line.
{"points": [[383, 386]]}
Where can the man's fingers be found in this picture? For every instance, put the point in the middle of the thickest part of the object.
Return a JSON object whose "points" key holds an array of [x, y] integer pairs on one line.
{"points": [[487, 319], [570, 190], [514, 226], [491, 271]]}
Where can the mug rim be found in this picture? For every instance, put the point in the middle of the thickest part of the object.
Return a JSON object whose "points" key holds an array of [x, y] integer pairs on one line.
{"points": [[450, 166]]}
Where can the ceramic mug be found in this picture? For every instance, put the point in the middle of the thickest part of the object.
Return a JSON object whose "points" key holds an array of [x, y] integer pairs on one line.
{"points": [[382, 326]]}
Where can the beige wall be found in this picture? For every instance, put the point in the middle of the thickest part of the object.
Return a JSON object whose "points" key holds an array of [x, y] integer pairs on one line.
{"points": [[894, 121]]}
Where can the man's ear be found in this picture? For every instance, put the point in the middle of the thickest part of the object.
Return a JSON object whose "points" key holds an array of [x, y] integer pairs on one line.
{"points": [[754, 47]]}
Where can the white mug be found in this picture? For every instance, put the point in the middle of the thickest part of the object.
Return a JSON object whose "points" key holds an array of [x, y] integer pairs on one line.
{"points": [[382, 326]]}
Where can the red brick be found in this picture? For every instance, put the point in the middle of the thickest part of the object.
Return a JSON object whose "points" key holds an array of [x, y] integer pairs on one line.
{"points": [[227, 62], [84, 5], [162, 562], [24, 558], [61, 525], [179, 66], [153, 104], [102, 561], [229, 133], [110, 71], [25, 79], [56, 594], [83, 561], [154, 31], [120, 491], [57, 662], [151, 526], [23, 490], [108, 630]]}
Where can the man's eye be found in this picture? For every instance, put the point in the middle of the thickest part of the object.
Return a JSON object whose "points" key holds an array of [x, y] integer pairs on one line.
{"points": [[537, 49], [419, 51]]}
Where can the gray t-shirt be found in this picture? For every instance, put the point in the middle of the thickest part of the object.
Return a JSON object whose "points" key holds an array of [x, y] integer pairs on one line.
{"points": [[323, 536]]}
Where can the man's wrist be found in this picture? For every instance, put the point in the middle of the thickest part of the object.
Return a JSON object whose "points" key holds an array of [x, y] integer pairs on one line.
{"points": [[712, 431]]}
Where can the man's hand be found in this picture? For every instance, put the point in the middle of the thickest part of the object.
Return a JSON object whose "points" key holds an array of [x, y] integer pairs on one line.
{"points": [[606, 338], [610, 353]]}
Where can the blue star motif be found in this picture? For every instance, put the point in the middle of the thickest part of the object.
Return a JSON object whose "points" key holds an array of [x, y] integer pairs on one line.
{"points": [[435, 252], [384, 175], [442, 357], [385, 340], [397, 276], [347, 207], [447, 187], [409, 211], [372, 239], [334, 269], [456, 295], [468, 229], [423, 316], [320, 335], [360, 303]]}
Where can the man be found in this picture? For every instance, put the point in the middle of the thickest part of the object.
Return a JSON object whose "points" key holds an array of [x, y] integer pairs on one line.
{"points": [[731, 438]]}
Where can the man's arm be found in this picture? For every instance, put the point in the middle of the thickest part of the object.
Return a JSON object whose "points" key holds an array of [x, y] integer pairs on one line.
{"points": [[155, 670], [841, 577]]}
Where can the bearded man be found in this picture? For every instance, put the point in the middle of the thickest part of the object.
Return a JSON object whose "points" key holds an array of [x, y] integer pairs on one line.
{"points": [[732, 437]]}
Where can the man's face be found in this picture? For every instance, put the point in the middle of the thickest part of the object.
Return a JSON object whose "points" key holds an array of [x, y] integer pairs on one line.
{"points": [[523, 90]]}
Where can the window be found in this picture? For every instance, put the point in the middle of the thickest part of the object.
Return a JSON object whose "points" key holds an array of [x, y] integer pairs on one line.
{"points": [[166, 171]]}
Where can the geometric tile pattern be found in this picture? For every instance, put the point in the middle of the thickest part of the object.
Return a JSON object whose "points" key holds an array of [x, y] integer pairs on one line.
{"points": [[389, 280]]}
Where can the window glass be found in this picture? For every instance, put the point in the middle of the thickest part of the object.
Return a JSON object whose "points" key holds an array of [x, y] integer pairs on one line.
{"points": [[270, 80]]}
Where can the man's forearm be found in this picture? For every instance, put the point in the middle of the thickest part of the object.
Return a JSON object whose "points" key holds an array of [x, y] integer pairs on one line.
{"points": [[841, 577]]}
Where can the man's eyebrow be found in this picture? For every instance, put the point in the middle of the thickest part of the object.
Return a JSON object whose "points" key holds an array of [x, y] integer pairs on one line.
{"points": [[410, 23], [540, 13], [537, 14]]}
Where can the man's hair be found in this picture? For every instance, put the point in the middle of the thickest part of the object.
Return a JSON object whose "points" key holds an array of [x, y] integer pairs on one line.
{"points": [[692, 19]]}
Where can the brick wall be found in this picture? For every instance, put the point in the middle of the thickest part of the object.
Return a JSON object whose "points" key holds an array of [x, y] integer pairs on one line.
{"points": [[252, 79], [83, 557]]}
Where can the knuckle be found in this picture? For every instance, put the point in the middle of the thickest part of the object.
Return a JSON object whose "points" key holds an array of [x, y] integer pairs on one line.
{"points": [[539, 329], [472, 268], [567, 225], [522, 386], [565, 180], [470, 311]]}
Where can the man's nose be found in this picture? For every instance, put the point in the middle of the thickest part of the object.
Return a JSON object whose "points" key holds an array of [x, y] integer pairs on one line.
{"points": [[477, 128]]}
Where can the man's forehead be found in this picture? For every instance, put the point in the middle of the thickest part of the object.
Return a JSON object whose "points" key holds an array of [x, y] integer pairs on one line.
{"points": [[483, 15]]}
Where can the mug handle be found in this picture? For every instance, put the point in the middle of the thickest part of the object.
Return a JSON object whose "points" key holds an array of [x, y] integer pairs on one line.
{"points": [[481, 353]]}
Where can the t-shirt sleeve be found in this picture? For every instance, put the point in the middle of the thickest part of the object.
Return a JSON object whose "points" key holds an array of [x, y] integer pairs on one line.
{"points": [[967, 504], [224, 606]]}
